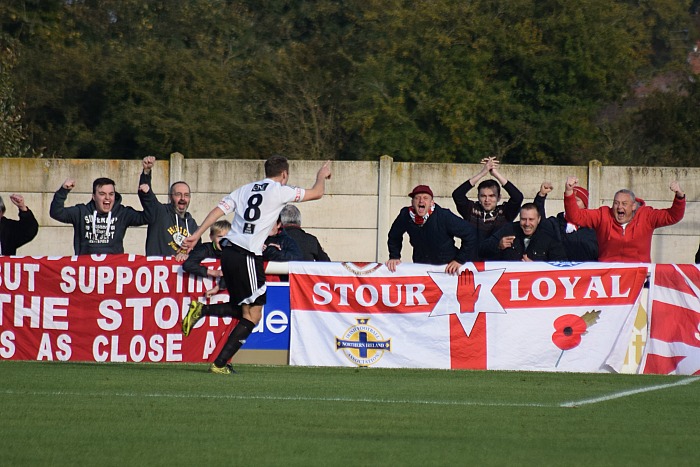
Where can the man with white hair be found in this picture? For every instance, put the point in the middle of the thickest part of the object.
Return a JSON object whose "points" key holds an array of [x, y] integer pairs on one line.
{"points": [[624, 230], [309, 244]]}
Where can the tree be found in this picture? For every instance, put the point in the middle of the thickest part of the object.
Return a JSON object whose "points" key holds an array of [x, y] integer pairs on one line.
{"points": [[442, 81], [436, 81], [128, 78], [663, 130], [13, 141]]}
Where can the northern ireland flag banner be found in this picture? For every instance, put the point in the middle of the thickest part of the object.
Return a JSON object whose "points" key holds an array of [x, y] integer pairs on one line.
{"points": [[673, 345], [508, 316]]}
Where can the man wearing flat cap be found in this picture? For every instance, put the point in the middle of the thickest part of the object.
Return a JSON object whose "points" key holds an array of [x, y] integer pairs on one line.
{"points": [[431, 230]]}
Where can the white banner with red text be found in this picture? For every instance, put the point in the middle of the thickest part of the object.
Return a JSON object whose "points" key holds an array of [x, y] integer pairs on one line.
{"points": [[114, 308], [505, 316], [537, 316]]}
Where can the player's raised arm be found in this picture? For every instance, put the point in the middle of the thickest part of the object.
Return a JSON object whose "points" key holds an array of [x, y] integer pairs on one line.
{"points": [[214, 215], [319, 188]]}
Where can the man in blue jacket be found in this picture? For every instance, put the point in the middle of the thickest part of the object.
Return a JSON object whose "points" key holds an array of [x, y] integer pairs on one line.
{"points": [[431, 230]]}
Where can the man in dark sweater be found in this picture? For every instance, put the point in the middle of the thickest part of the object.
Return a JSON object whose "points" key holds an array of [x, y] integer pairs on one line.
{"points": [[485, 213], [100, 225], [168, 223], [523, 240], [15, 233], [431, 230], [310, 247], [579, 242]]}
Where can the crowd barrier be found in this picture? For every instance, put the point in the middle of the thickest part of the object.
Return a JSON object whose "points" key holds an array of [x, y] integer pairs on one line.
{"points": [[586, 317]]}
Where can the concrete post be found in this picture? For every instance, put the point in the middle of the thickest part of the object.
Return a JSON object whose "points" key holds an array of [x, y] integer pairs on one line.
{"points": [[594, 181], [384, 218], [177, 162]]}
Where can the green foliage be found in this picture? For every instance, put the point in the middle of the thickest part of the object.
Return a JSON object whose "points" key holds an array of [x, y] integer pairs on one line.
{"points": [[663, 130], [521, 80], [438, 81], [128, 78], [13, 141]]}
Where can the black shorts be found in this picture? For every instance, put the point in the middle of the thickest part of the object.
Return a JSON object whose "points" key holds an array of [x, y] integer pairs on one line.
{"points": [[244, 273]]}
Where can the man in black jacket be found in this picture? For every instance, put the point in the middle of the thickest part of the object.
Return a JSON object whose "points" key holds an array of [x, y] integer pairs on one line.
{"points": [[310, 247], [523, 241], [15, 233], [431, 230], [580, 243], [281, 247]]}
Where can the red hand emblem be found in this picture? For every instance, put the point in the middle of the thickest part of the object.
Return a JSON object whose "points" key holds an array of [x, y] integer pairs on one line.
{"points": [[467, 294]]}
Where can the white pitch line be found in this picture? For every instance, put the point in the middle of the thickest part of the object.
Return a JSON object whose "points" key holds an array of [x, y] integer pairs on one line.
{"points": [[569, 404], [618, 395], [275, 398]]}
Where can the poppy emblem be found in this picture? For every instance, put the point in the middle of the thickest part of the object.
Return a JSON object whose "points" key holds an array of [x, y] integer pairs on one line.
{"points": [[568, 330]]}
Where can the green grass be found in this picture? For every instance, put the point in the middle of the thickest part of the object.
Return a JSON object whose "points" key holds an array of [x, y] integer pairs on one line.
{"points": [[54, 413]]}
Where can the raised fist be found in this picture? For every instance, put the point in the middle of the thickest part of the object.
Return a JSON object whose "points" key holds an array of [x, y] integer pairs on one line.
{"points": [[148, 163], [676, 188], [69, 184], [546, 188]]}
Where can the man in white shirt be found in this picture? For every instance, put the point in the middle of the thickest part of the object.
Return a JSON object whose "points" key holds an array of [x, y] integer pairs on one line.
{"points": [[255, 207]]}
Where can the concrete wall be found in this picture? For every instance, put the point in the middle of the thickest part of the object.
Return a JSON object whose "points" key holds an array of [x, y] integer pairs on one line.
{"points": [[362, 198]]}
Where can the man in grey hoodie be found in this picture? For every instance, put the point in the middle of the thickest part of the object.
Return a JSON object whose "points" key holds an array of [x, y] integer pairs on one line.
{"points": [[168, 223], [99, 226]]}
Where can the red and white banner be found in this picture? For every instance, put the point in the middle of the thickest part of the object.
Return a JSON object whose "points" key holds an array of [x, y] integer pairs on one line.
{"points": [[529, 316], [673, 345], [116, 308], [509, 316]]}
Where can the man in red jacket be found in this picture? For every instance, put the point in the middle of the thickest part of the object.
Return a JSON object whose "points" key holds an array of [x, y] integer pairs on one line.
{"points": [[624, 230]]}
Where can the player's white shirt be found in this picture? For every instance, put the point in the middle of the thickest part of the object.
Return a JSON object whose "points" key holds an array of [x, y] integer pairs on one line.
{"points": [[256, 207]]}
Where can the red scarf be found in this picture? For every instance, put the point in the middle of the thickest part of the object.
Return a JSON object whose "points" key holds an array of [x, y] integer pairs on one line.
{"points": [[420, 220]]}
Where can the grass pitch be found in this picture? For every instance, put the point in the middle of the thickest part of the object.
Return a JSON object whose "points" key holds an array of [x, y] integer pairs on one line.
{"points": [[54, 413]]}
